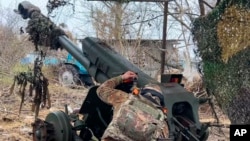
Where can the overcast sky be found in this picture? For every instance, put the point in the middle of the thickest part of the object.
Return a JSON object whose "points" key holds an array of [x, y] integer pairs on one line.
{"points": [[73, 22], [81, 27], [62, 17], [12, 4]]}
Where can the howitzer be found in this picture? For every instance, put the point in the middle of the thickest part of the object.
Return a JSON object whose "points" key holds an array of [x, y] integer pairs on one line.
{"points": [[102, 63]]}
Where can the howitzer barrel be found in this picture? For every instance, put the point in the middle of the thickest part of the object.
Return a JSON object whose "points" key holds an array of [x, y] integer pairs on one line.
{"points": [[111, 63], [101, 61], [98, 58], [78, 55]]}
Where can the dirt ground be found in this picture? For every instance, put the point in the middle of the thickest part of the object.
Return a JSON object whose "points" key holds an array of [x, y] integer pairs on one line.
{"points": [[15, 127]]}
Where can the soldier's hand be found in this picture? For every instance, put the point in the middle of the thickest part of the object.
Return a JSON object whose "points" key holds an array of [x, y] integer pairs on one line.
{"points": [[129, 76]]}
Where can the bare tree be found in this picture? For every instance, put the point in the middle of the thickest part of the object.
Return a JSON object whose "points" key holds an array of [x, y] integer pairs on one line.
{"points": [[202, 8], [14, 44], [140, 20]]}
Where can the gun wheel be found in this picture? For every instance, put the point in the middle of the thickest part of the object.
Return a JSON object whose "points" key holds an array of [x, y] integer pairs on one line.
{"points": [[62, 127], [56, 127], [43, 131], [68, 76]]}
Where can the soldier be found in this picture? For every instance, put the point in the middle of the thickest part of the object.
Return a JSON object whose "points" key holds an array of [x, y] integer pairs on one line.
{"points": [[135, 117]]}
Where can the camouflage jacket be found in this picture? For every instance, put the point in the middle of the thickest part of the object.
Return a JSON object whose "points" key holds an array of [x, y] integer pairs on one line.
{"points": [[107, 92], [134, 117]]}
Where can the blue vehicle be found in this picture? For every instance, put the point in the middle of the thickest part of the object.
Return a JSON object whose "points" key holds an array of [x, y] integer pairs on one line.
{"points": [[73, 73], [47, 61]]}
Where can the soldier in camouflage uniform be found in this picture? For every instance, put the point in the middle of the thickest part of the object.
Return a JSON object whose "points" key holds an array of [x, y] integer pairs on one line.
{"points": [[135, 117]]}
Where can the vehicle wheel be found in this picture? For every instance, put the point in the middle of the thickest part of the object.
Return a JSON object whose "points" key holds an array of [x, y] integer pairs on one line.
{"points": [[68, 76]]}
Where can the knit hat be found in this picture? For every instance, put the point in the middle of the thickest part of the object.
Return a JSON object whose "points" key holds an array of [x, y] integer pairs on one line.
{"points": [[153, 87], [153, 93]]}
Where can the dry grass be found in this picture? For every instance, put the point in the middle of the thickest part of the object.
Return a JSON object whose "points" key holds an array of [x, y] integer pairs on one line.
{"points": [[15, 127]]}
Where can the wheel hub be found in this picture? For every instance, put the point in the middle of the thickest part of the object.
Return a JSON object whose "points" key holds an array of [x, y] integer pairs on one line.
{"points": [[56, 127], [42, 131], [67, 78]]}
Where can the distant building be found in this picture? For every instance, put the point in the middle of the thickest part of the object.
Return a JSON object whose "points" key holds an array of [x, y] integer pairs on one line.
{"points": [[146, 53]]}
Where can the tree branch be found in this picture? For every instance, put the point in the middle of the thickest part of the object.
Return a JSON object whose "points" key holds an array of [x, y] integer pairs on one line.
{"points": [[171, 14], [143, 20], [208, 5], [159, 61]]}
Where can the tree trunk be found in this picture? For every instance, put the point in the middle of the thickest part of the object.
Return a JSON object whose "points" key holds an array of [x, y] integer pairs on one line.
{"points": [[202, 8]]}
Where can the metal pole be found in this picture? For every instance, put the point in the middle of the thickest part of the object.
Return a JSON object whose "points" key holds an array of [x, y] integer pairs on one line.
{"points": [[164, 36]]}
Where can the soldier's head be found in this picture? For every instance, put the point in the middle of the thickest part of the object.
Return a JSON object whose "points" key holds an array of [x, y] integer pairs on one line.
{"points": [[153, 93]]}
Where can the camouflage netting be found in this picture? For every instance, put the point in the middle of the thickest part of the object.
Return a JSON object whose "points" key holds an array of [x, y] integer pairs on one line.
{"points": [[43, 32], [223, 39]]}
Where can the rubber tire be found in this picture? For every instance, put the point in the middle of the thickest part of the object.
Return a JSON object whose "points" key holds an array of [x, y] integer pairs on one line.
{"points": [[62, 127], [68, 76]]}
